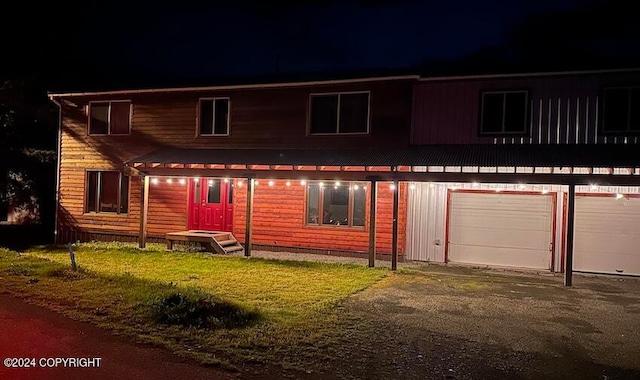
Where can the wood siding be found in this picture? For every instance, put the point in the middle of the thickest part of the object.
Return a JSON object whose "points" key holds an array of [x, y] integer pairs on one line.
{"points": [[562, 109], [258, 118], [279, 220]]}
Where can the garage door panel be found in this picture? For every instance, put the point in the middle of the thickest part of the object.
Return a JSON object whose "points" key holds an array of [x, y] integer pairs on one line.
{"points": [[500, 229], [607, 236]]}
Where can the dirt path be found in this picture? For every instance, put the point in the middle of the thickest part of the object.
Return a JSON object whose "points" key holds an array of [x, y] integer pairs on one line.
{"points": [[28, 331]]}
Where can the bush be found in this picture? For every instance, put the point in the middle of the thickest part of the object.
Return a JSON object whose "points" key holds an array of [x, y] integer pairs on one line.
{"points": [[200, 312]]}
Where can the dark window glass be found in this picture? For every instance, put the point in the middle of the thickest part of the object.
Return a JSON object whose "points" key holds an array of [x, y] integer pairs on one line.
{"points": [[99, 122], [359, 204], [124, 194], [354, 113], [634, 116], [313, 200], [492, 112], [324, 114], [221, 117], [109, 184], [515, 112], [206, 117], [92, 191], [335, 205], [120, 115], [616, 109], [213, 193], [230, 194]]}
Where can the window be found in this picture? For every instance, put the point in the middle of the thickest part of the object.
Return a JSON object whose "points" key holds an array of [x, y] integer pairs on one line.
{"points": [[339, 113], [621, 111], [214, 117], [504, 113], [109, 118], [338, 205], [107, 192]]}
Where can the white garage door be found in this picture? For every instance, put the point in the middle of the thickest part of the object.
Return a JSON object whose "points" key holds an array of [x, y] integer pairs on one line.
{"points": [[607, 235], [501, 229]]}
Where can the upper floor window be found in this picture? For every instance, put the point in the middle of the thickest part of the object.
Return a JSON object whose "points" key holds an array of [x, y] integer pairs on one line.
{"points": [[336, 204], [214, 117], [504, 113], [344, 113], [106, 191], [621, 111], [110, 118]]}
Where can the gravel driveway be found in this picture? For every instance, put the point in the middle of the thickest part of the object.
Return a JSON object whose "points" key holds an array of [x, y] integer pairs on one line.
{"points": [[461, 323]]}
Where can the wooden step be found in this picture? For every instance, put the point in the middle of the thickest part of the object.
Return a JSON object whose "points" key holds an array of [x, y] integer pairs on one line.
{"points": [[227, 242], [233, 248]]}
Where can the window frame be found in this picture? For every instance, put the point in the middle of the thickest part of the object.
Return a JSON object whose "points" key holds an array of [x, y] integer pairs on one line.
{"points": [[503, 133], [350, 205], [338, 94], [98, 186], [92, 102], [198, 117], [602, 116]]}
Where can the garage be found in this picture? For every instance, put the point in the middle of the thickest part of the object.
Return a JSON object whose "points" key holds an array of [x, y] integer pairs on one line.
{"points": [[607, 234], [511, 229]]}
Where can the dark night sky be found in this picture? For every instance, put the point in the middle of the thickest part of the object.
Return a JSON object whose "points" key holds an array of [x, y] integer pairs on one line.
{"points": [[240, 38]]}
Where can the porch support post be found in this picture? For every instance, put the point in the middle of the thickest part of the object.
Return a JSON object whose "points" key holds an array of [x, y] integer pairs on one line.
{"points": [[144, 210], [394, 232], [251, 183], [568, 265], [372, 223]]}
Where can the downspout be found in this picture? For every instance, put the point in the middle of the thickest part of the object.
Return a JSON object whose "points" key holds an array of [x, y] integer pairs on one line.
{"points": [[55, 227]]}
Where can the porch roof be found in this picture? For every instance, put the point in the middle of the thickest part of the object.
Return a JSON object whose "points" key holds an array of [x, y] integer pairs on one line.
{"points": [[483, 155]]}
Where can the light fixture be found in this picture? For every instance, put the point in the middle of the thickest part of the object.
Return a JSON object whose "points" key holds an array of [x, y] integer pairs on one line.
{"points": [[337, 183], [498, 189], [412, 186], [288, 183], [364, 187], [454, 188], [210, 182], [619, 196], [154, 181], [545, 191], [255, 183], [321, 184], [355, 187], [392, 187], [169, 180], [271, 183], [521, 186], [226, 180], [475, 184], [593, 187], [196, 179], [303, 182], [239, 183], [182, 181]]}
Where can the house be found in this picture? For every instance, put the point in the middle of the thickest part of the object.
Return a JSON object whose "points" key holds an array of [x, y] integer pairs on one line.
{"points": [[138, 164], [537, 170], [548, 135]]}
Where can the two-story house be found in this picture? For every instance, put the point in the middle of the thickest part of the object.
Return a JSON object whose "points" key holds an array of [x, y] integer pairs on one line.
{"points": [[538, 171], [280, 163]]}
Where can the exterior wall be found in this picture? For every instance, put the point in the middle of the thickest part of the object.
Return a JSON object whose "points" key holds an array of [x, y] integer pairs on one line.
{"points": [[427, 215], [564, 109], [258, 118], [279, 220]]}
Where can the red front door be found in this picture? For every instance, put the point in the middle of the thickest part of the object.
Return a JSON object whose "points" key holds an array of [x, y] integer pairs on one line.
{"points": [[210, 205]]}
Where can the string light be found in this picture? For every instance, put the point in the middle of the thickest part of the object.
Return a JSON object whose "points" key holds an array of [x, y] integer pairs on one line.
{"points": [[226, 180], [593, 187], [154, 181], [355, 187], [321, 184], [619, 196], [182, 181], [210, 182], [545, 191], [288, 183], [475, 184], [271, 183], [169, 180], [240, 183], [337, 183], [196, 179], [392, 187], [412, 186], [521, 186], [303, 182]]}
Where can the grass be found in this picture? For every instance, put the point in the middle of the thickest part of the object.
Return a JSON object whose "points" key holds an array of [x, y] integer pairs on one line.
{"points": [[296, 305]]}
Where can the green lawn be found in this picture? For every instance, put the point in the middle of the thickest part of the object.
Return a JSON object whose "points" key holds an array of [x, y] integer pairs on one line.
{"points": [[298, 302]]}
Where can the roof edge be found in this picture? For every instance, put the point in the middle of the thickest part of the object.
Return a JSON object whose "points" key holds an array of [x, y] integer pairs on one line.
{"points": [[234, 87], [529, 74]]}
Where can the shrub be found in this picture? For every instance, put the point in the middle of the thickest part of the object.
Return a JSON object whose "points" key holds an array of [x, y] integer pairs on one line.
{"points": [[200, 312]]}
